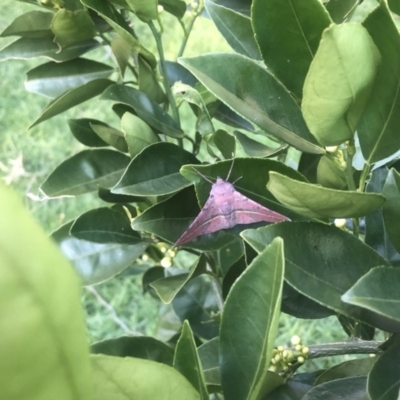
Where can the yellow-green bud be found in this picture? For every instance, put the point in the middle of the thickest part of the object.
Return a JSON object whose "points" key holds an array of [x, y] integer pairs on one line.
{"points": [[300, 360], [166, 262], [298, 347], [306, 350], [295, 340], [280, 348]]}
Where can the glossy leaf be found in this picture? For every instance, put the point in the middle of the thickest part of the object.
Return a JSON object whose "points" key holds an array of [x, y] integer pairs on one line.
{"points": [[322, 262], [122, 53], [71, 27], [105, 225], [149, 81], [377, 130], [116, 21], [358, 367], [175, 7], [145, 108], [96, 262], [235, 28], [138, 134], [169, 218], [114, 377], [391, 209], [337, 88], [196, 302], [319, 202], [27, 48], [375, 233], [168, 287], [85, 172], [155, 171], [248, 332], [33, 24], [241, 84], [145, 9], [225, 143], [83, 132], [209, 357], [52, 79], [143, 347], [72, 98], [353, 388], [254, 148], [289, 52], [186, 361], [41, 314], [384, 378], [378, 291], [111, 136], [240, 6]]}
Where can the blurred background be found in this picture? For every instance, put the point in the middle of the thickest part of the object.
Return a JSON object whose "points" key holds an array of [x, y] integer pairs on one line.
{"points": [[116, 307]]}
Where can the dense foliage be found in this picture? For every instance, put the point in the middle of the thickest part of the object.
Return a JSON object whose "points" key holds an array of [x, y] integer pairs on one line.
{"points": [[305, 111]]}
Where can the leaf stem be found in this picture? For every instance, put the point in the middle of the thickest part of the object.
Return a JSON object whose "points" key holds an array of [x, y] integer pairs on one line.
{"points": [[188, 30], [352, 346], [167, 86]]}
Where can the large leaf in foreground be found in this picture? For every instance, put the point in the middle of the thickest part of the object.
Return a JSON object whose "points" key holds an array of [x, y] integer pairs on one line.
{"points": [[242, 84], [377, 291], [322, 262], [155, 171], [318, 202], [96, 262], [289, 52], [117, 378], [72, 98], [249, 324], [85, 172], [41, 314], [378, 128]]}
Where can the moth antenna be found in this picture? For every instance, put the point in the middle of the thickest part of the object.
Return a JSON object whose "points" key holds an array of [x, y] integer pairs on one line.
{"points": [[240, 177], [230, 169], [203, 176]]}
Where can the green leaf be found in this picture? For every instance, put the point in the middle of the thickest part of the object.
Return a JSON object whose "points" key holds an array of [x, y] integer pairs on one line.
{"points": [[289, 52], [249, 325], [209, 357], [339, 83], [187, 362], [241, 84], [52, 79], [391, 209], [96, 262], [121, 27], [330, 173], [143, 347], [322, 262], [235, 28], [145, 108], [225, 143], [72, 98], [353, 388], [148, 81], [111, 136], [33, 24], [105, 225], [319, 202], [340, 10], [254, 148], [41, 313], [83, 132], [27, 48], [146, 10], [197, 303], [169, 218], [122, 53], [118, 378], [85, 172], [168, 287], [378, 291], [175, 7], [384, 378], [359, 367], [155, 171], [71, 27], [138, 134], [378, 128]]}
